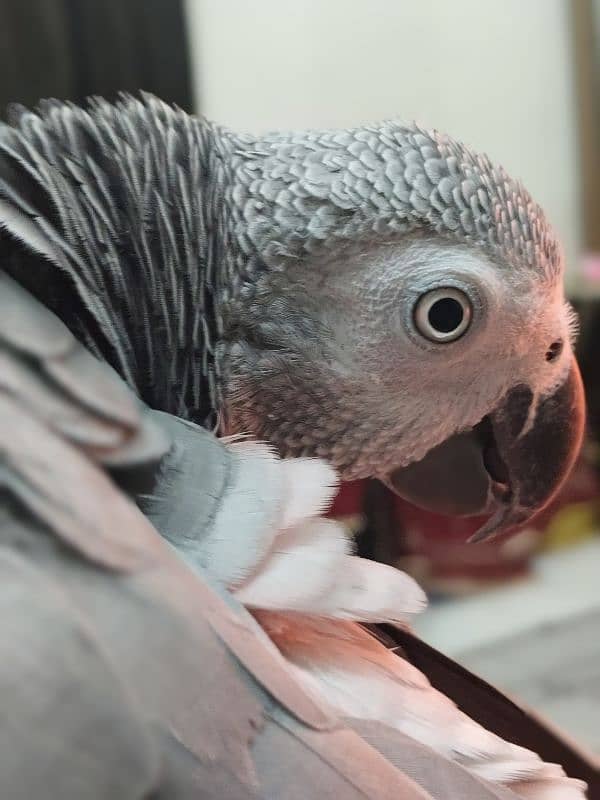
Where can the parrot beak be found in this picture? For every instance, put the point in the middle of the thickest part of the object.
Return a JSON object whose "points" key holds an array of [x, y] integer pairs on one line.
{"points": [[509, 466]]}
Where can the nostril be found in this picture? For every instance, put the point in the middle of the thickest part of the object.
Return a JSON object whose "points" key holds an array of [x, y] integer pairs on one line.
{"points": [[554, 351]]}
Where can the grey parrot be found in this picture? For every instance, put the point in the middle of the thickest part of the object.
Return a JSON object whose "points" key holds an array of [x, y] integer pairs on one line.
{"points": [[377, 302]]}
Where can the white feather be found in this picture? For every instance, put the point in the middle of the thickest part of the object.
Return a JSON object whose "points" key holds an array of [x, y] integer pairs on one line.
{"points": [[311, 486], [300, 569], [362, 679], [275, 497], [311, 570], [367, 591]]}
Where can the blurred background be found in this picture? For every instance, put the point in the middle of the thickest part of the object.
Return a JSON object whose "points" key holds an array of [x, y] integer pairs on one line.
{"points": [[518, 80]]}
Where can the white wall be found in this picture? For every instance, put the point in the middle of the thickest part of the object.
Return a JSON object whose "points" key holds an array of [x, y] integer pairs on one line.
{"points": [[497, 75]]}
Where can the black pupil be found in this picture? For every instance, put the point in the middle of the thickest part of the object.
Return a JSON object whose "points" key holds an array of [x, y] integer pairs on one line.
{"points": [[445, 315]]}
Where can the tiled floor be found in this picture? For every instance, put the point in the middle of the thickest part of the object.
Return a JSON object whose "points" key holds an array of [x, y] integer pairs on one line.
{"points": [[538, 641]]}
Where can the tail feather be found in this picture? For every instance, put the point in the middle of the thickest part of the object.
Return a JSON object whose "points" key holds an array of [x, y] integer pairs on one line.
{"points": [[364, 680]]}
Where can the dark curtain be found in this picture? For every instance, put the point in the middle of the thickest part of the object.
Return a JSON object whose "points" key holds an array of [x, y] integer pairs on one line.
{"points": [[71, 49]]}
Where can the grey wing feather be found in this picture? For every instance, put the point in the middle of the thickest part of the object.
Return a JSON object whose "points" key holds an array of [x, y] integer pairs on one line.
{"points": [[443, 779], [65, 715], [333, 765], [107, 629], [198, 509], [186, 776], [78, 395]]}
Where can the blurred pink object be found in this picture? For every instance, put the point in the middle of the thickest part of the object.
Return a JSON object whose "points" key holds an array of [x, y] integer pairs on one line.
{"points": [[590, 267]]}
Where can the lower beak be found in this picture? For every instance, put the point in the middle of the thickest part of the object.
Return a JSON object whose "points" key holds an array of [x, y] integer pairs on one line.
{"points": [[510, 466]]}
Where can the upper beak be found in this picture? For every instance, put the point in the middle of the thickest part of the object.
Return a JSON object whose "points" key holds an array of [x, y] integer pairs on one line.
{"points": [[510, 466]]}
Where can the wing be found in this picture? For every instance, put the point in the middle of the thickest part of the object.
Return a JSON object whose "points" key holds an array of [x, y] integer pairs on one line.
{"points": [[125, 673], [69, 727]]}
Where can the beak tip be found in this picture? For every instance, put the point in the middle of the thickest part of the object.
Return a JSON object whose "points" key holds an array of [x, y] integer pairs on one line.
{"points": [[553, 445]]}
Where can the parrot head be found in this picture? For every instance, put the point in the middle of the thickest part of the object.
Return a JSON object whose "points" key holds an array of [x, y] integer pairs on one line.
{"points": [[401, 314], [382, 298]]}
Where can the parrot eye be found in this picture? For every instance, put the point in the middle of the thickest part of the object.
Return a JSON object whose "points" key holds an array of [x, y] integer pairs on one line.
{"points": [[443, 315]]}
